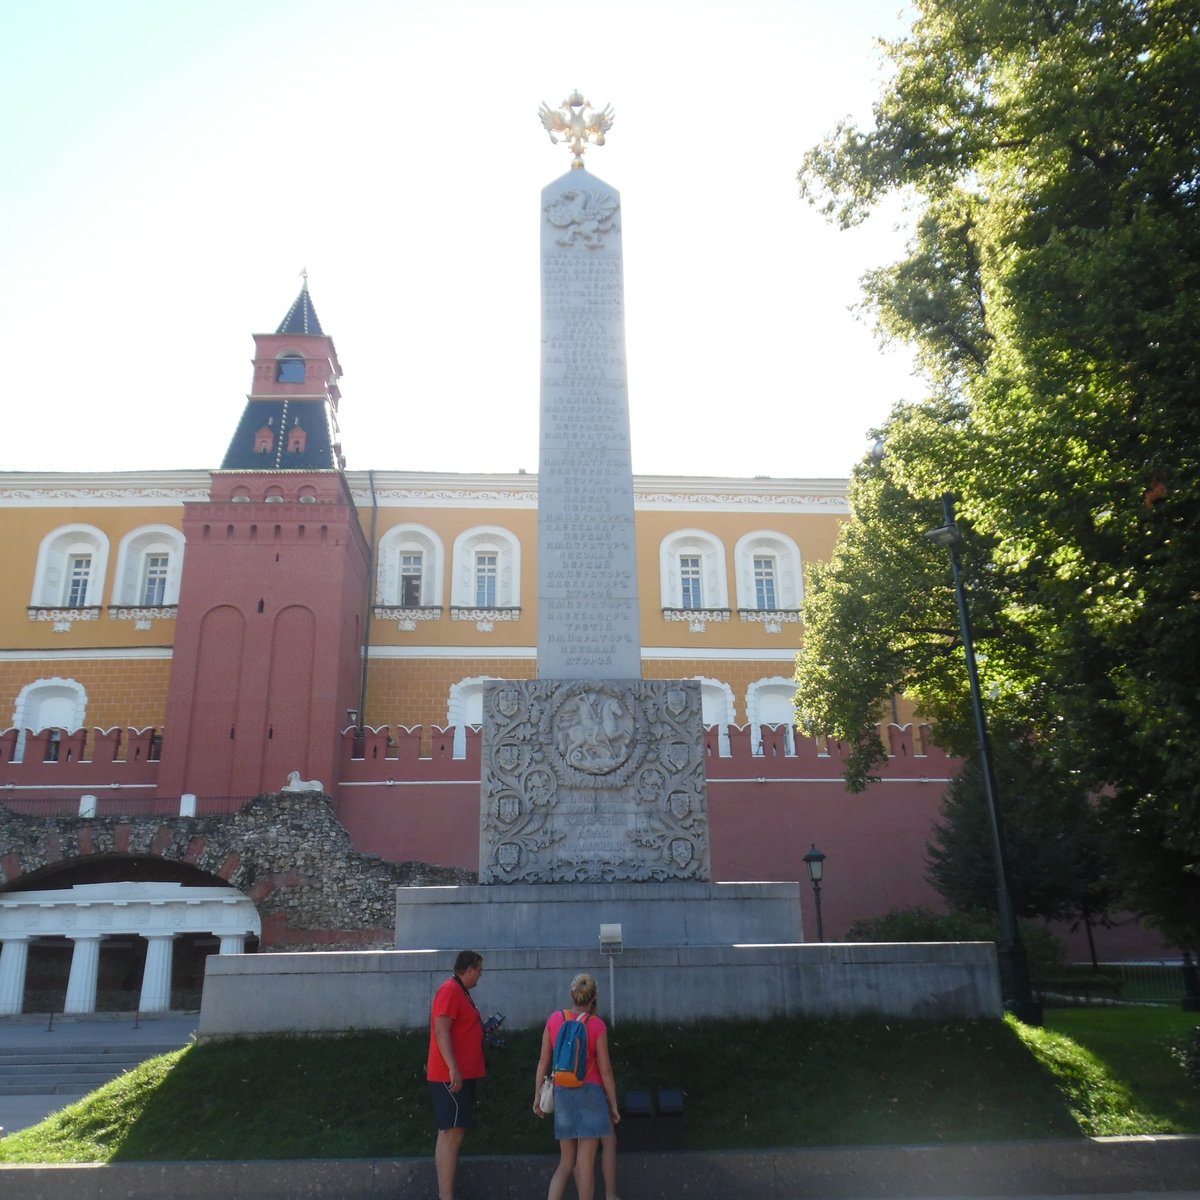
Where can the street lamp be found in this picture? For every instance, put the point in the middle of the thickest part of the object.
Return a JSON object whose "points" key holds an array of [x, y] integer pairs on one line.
{"points": [[1014, 965], [814, 860]]}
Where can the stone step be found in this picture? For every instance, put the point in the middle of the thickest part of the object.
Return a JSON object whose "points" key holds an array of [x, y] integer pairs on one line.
{"points": [[72, 1085], [75, 1070], [70, 1054]]}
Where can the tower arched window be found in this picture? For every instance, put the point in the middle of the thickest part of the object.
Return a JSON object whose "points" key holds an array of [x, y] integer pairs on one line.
{"points": [[290, 369], [297, 440], [72, 562], [264, 441]]}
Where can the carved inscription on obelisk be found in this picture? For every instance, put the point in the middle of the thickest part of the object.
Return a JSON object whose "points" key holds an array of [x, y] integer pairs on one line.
{"points": [[588, 621]]}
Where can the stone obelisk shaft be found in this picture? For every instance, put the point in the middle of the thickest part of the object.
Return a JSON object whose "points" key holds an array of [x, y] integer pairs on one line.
{"points": [[588, 618]]}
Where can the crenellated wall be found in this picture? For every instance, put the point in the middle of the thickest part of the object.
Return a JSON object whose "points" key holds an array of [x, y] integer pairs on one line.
{"points": [[412, 795]]}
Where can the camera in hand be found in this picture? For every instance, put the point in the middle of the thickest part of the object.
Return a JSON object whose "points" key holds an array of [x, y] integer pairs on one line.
{"points": [[491, 1029]]}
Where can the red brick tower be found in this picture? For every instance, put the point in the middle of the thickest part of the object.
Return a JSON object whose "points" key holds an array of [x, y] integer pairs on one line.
{"points": [[269, 634]]}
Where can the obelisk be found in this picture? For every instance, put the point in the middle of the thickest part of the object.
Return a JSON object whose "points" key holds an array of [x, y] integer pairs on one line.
{"points": [[589, 773], [588, 620]]}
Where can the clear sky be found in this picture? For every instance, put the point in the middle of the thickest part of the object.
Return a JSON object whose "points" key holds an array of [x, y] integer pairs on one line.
{"points": [[169, 168]]}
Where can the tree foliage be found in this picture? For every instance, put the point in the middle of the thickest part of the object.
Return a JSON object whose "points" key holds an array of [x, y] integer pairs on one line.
{"points": [[1063, 863], [1051, 149]]}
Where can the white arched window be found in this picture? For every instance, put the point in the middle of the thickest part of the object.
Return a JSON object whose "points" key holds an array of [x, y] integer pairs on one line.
{"points": [[465, 710], [692, 571], [410, 568], [716, 707], [768, 570], [772, 702], [487, 569], [54, 703], [149, 566], [71, 565]]}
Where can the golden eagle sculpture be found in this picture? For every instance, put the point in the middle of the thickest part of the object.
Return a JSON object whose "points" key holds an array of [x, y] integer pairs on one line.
{"points": [[576, 122]]}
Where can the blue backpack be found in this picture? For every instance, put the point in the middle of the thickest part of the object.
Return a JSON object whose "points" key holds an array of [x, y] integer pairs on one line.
{"points": [[568, 1065]]}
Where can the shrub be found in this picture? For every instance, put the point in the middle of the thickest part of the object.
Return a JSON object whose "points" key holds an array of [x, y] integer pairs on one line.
{"points": [[1188, 1055], [1045, 952]]}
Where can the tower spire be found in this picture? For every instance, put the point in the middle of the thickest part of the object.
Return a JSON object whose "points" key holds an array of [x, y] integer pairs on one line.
{"points": [[290, 419]]}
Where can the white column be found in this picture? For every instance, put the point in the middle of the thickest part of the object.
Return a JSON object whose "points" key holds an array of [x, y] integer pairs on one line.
{"points": [[233, 943], [85, 973], [156, 978], [14, 957]]}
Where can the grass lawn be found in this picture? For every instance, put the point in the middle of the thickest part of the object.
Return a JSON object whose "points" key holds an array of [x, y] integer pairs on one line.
{"points": [[746, 1084]]}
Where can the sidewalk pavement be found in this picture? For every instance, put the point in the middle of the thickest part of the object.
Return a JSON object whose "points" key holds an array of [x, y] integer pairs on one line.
{"points": [[1137, 1170]]}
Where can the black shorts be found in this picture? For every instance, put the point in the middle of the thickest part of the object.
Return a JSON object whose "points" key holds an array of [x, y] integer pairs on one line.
{"points": [[453, 1109]]}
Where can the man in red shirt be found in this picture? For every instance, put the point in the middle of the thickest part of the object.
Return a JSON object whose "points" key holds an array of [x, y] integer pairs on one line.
{"points": [[455, 1063]]}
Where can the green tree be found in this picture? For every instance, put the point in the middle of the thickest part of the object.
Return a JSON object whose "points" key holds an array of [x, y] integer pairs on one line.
{"points": [[1063, 864], [1052, 289]]}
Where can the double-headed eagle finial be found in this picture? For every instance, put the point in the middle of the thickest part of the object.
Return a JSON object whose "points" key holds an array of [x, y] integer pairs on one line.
{"points": [[577, 122]]}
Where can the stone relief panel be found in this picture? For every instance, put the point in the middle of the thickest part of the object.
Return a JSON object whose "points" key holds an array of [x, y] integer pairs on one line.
{"points": [[592, 781]]}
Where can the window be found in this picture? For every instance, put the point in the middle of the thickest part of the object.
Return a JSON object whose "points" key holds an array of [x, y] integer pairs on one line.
{"points": [[154, 588], [264, 441], [771, 704], [290, 369], [691, 590], [691, 566], [485, 580], [487, 569], [297, 440], [410, 568], [54, 703], [72, 561], [716, 707], [764, 583], [410, 579], [77, 580], [465, 710], [149, 566], [769, 577]]}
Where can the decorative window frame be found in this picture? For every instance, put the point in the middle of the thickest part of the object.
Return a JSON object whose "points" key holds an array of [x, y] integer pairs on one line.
{"points": [[135, 548], [507, 548], [397, 541], [51, 573], [773, 686], [465, 701], [713, 582], [789, 578], [716, 701], [28, 698]]}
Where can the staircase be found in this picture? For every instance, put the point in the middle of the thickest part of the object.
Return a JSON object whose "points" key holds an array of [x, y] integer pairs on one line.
{"points": [[72, 1070]]}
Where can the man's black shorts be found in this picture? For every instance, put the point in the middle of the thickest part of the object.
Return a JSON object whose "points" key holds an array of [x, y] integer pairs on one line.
{"points": [[453, 1109]]}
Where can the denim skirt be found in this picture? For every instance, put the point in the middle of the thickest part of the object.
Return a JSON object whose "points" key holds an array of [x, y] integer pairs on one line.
{"points": [[581, 1112]]}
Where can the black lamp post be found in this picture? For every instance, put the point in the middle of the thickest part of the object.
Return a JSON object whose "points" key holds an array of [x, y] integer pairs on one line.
{"points": [[1014, 965], [814, 860]]}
